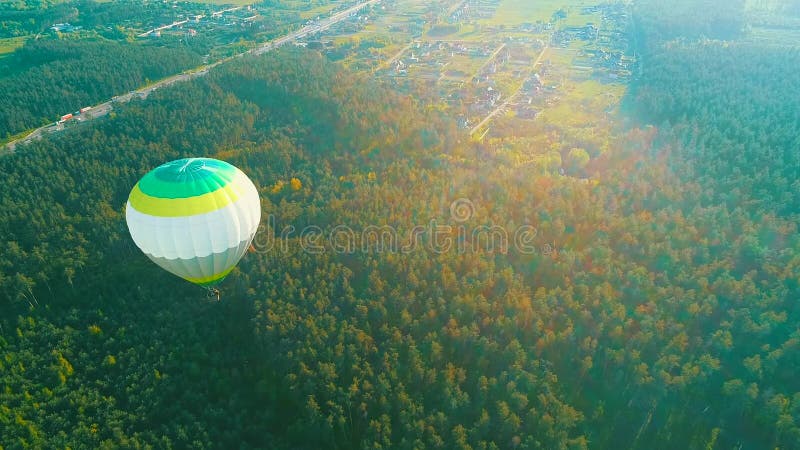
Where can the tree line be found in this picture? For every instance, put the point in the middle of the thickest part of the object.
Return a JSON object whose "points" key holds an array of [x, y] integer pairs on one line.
{"points": [[45, 79]]}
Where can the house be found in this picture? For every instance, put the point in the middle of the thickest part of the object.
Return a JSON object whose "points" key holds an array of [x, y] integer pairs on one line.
{"points": [[64, 28], [492, 95]]}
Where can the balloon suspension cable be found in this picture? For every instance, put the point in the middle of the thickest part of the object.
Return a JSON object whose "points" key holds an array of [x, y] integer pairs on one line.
{"points": [[212, 293]]}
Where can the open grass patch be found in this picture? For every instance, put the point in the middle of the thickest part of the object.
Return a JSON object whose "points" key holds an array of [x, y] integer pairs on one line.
{"points": [[580, 103], [515, 12], [560, 57], [8, 45], [438, 31]]}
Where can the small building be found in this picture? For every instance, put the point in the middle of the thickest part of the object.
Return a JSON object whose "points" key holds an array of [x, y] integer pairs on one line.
{"points": [[65, 28]]}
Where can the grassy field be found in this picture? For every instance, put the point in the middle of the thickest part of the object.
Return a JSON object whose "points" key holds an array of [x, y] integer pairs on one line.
{"points": [[8, 45], [595, 89], [470, 33], [560, 57], [323, 10], [581, 102], [515, 12], [467, 64], [576, 19]]}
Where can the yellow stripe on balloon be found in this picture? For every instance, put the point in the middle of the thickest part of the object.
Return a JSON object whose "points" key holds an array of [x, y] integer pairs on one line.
{"points": [[181, 207], [212, 278]]}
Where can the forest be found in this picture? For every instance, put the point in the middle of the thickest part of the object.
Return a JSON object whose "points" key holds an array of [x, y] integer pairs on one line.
{"points": [[663, 313], [48, 78]]}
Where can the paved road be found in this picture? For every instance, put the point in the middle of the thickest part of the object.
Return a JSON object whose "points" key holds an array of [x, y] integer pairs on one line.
{"points": [[104, 108]]}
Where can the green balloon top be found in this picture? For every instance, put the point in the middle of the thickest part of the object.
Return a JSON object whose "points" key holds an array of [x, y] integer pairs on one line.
{"points": [[188, 177]]}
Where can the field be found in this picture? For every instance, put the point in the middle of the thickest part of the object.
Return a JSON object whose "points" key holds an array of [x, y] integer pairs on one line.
{"points": [[516, 12], [8, 45], [581, 102], [306, 11]]}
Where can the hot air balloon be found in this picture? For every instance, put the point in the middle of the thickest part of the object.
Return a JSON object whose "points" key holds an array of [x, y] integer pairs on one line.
{"points": [[194, 217]]}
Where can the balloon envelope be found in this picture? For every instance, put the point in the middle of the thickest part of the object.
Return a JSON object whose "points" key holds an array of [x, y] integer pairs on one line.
{"points": [[194, 217]]}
